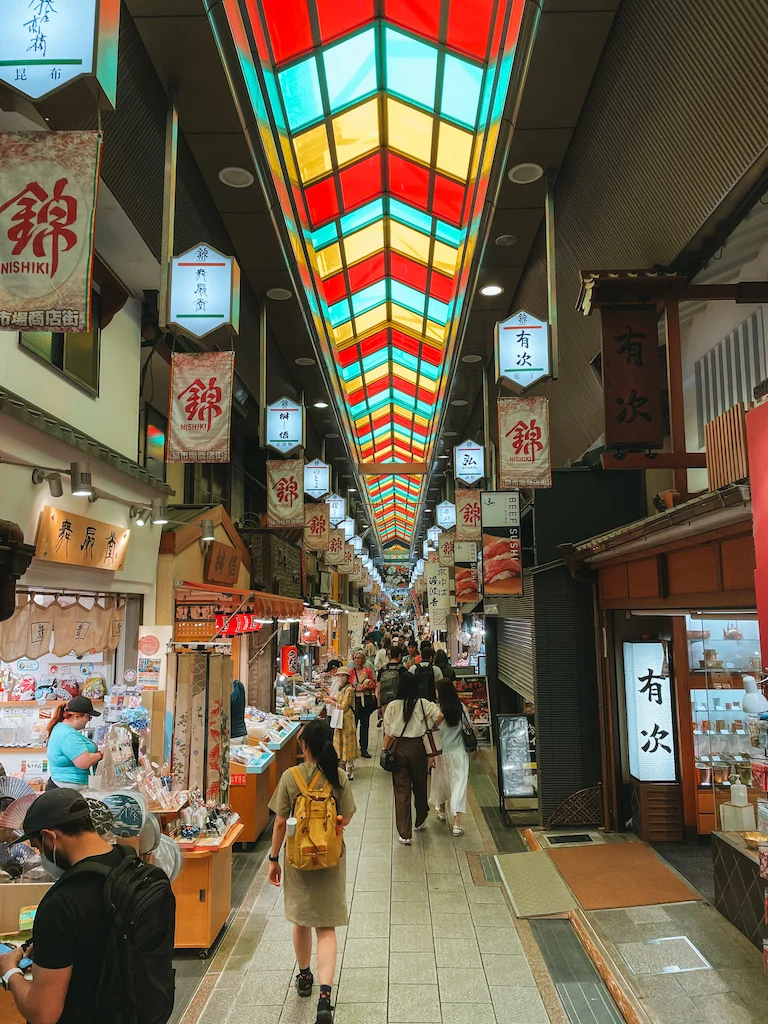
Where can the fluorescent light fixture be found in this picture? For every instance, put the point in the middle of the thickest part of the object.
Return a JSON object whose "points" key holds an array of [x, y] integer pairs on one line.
{"points": [[159, 512], [206, 529], [80, 475]]}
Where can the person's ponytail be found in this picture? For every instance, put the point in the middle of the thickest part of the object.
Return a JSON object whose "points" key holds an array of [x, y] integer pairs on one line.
{"points": [[328, 763], [56, 718], [318, 738]]}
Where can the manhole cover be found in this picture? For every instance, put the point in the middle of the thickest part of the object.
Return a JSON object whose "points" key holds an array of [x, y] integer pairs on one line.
{"points": [[556, 840], [663, 956]]}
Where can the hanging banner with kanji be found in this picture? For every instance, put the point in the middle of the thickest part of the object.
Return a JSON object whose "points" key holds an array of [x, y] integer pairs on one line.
{"points": [[334, 553], [467, 582], [631, 378], [348, 560], [200, 409], [467, 515], [445, 549], [317, 527], [438, 587], [285, 493], [356, 573], [48, 183], [524, 459]]}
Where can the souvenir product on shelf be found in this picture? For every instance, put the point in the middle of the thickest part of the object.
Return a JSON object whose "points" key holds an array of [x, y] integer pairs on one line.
{"points": [[130, 812], [102, 817], [12, 789], [95, 687], [149, 837], [24, 689], [13, 816], [167, 857]]}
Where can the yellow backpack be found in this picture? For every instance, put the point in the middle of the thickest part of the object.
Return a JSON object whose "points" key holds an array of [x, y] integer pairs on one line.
{"points": [[315, 843]]}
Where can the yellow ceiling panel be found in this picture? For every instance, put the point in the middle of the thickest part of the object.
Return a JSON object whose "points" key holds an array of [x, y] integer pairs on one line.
{"points": [[409, 131], [356, 132], [343, 332], [454, 150], [329, 260], [377, 373], [411, 243], [406, 318], [373, 318], [444, 258], [364, 243], [435, 332], [313, 154]]}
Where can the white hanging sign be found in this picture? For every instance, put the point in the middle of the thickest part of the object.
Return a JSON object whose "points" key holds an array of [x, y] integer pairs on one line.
{"points": [[317, 478], [285, 425], [469, 462], [522, 351], [433, 536], [338, 512], [348, 526], [650, 727], [204, 292], [446, 515]]}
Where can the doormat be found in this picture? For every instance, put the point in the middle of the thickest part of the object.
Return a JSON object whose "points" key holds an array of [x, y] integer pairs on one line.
{"points": [[533, 884], [614, 875]]}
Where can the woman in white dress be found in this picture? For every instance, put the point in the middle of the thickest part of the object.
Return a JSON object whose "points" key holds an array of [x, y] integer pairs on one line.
{"points": [[451, 770]]}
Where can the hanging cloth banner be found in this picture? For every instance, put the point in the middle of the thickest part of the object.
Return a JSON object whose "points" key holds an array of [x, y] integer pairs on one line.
{"points": [[356, 575], [502, 553], [334, 553], [200, 409], [347, 563], [524, 457], [467, 515], [285, 493], [48, 184], [445, 549], [467, 580], [317, 527], [438, 587]]}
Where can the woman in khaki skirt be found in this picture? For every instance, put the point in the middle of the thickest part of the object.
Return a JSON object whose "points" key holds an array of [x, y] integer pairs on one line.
{"points": [[313, 899]]}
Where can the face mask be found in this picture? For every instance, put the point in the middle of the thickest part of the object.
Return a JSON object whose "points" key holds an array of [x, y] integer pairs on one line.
{"points": [[55, 869]]}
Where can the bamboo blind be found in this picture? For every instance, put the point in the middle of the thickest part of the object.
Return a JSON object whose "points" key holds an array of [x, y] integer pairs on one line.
{"points": [[725, 441]]}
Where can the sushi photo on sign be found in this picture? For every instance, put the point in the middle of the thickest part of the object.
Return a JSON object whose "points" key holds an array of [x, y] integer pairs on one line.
{"points": [[502, 554]]}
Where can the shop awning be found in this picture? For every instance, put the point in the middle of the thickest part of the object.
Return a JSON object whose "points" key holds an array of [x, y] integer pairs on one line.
{"points": [[265, 606]]}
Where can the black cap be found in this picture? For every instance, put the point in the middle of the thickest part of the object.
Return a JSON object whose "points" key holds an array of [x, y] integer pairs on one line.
{"points": [[82, 706], [54, 807]]}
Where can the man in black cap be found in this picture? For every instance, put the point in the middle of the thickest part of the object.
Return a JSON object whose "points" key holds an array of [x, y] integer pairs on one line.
{"points": [[70, 928]]}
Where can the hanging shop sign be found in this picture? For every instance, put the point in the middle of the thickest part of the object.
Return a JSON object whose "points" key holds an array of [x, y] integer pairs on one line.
{"points": [[47, 45], [469, 462], [348, 559], [650, 730], [425, 549], [445, 549], [317, 527], [289, 660], [222, 564], [348, 526], [337, 505], [317, 478], [76, 540], [285, 493], [631, 378], [522, 351], [237, 624], [356, 572], [524, 457], [285, 425], [466, 575], [438, 586], [446, 515], [502, 554], [467, 515], [433, 536], [334, 553], [200, 411], [48, 184], [357, 544], [204, 292]]}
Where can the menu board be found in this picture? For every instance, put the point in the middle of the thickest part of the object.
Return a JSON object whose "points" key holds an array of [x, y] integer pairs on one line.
{"points": [[473, 694], [517, 756]]}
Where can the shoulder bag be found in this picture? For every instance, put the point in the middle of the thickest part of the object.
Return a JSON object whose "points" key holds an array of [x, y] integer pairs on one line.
{"points": [[468, 734], [432, 742], [388, 755]]}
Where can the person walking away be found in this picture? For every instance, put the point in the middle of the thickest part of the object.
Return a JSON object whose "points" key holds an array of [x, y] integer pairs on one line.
{"points": [[313, 898], [427, 674], [388, 681], [407, 719], [450, 772], [237, 727], [345, 734], [71, 754], [382, 656], [91, 962], [364, 685], [442, 662]]}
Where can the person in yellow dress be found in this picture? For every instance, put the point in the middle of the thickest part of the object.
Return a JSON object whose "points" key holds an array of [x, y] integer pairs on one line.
{"points": [[345, 733]]}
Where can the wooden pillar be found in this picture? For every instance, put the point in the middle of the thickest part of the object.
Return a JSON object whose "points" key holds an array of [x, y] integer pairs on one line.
{"points": [[675, 392]]}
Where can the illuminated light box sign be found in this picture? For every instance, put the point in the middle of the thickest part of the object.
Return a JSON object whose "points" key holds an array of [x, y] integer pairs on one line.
{"points": [[204, 291], [522, 351], [317, 478], [285, 425], [337, 506], [446, 515], [469, 462], [650, 730]]}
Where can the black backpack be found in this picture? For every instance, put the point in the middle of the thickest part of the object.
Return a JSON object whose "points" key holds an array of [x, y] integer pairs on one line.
{"points": [[425, 680], [389, 683], [136, 984]]}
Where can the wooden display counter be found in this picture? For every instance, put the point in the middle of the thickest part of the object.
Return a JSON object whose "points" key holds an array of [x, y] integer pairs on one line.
{"points": [[249, 794], [203, 893], [286, 756]]}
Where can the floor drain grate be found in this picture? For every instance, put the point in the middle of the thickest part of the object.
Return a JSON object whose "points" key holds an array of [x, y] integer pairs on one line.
{"points": [[581, 838], [668, 955]]}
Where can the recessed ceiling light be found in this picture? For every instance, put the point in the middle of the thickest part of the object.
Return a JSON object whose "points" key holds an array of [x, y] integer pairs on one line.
{"points": [[348, 476], [236, 177], [458, 401], [506, 240], [427, 509], [321, 405], [525, 174], [351, 489], [471, 359], [491, 289], [331, 435], [443, 456], [338, 458], [279, 294], [304, 361], [449, 433]]}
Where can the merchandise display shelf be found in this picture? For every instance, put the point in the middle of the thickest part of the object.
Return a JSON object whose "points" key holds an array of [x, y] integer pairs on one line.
{"points": [[250, 797], [203, 893], [285, 739]]}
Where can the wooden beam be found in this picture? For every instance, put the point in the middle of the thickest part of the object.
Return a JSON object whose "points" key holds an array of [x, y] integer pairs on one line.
{"points": [[392, 468], [675, 392], [664, 460]]}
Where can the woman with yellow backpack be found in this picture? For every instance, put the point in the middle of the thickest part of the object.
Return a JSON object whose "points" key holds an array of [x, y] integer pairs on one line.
{"points": [[313, 803]]}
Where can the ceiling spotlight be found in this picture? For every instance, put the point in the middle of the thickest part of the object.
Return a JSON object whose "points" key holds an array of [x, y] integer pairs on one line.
{"points": [[443, 456], [159, 512], [427, 509], [55, 486], [506, 240], [304, 361], [525, 174], [80, 475], [351, 489], [235, 177], [321, 405], [458, 401], [279, 295], [206, 529], [449, 433], [140, 514], [491, 289], [471, 359]]}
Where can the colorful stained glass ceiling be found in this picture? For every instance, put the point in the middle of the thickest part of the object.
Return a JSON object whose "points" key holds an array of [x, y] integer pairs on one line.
{"points": [[379, 121]]}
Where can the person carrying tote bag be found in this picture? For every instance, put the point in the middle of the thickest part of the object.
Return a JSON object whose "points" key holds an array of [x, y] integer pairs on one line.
{"points": [[409, 724]]}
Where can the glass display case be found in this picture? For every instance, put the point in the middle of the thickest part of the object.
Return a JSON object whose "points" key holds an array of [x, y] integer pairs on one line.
{"points": [[722, 651]]}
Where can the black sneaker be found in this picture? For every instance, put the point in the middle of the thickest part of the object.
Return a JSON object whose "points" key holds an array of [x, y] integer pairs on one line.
{"points": [[304, 983], [365, 754], [324, 1014]]}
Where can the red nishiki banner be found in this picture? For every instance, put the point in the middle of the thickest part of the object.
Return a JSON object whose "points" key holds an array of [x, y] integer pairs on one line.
{"points": [[347, 563], [334, 553], [524, 459], [200, 407], [317, 526], [285, 493], [467, 515], [445, 549], [48, 183]]}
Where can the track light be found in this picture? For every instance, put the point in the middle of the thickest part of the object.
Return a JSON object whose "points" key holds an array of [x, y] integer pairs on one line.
{"points": [[159, 512], [140, 514], [206, 527], [80, 475], [55, 486]]}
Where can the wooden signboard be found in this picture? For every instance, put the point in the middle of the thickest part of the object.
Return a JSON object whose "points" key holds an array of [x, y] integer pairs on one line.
{"points": [[77, 540], [222, 564], [631, 378]]}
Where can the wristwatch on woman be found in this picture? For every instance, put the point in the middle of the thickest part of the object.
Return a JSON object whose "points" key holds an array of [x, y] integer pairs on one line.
{"points": [[9, 974], [274, 860]]}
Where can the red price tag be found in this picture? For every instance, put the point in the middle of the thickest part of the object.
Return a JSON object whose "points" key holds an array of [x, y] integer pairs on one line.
{"points": [[237, 780]]}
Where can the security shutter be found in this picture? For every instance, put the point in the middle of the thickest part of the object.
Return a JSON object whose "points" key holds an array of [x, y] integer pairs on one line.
{"points": [[515, 640]]}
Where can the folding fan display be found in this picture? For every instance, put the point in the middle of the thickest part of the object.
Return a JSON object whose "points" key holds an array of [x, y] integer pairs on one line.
{"points": [[15, 812], [129, 809], [149, 837], [167, 857], [11, 789]]}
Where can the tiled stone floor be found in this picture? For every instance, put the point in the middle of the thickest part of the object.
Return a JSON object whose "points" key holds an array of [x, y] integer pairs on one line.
{"points": [[424, 943]]}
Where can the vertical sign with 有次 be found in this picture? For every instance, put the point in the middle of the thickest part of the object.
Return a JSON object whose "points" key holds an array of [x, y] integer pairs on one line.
{"points": [[650, 727], [469, 462], [285, 425], [522, 351], [204, 292]]}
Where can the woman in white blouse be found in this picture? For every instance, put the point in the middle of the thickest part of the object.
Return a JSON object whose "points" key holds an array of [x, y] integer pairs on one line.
{"points": [[407, 719]]}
